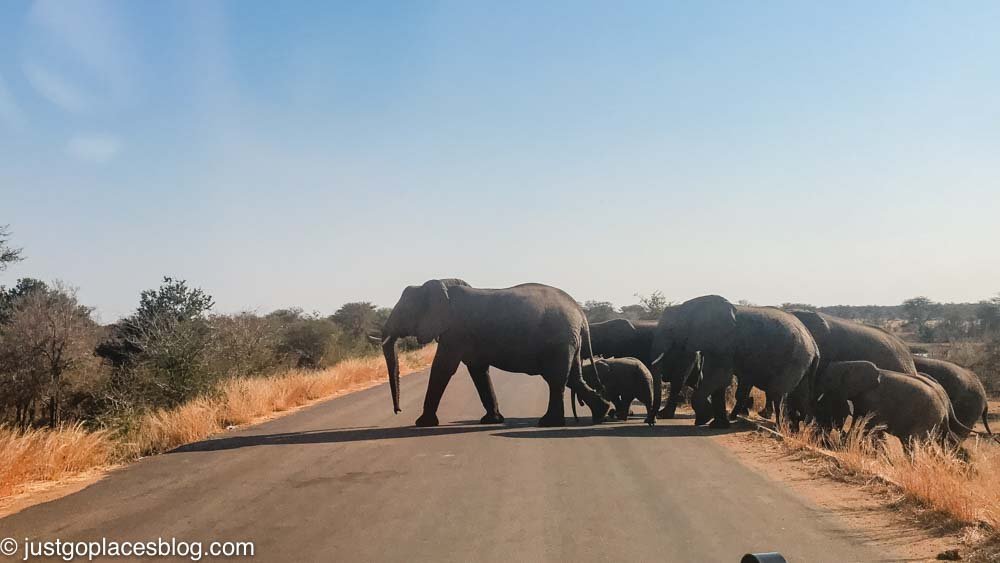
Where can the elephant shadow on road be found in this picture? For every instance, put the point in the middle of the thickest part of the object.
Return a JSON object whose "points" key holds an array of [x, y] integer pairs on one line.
{"points": [[512, 428], [634, 429], [329, 437]]}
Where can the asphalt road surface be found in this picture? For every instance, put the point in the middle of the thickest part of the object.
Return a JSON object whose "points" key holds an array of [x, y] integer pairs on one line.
{"points": [[346, 480]]}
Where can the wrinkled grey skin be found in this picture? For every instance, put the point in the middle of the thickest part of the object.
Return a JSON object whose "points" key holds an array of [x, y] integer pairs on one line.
{"points": [[765, 347], [841, 340], [964, 389], [624, 380], [910, 406], [529, 328]]}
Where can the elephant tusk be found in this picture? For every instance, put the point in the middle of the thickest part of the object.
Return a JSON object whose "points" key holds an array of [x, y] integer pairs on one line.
{"points": [[657, 360]]}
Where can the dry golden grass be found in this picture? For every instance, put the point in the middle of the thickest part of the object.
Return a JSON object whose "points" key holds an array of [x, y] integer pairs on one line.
{"points": [[49, 455], [962, 486]]}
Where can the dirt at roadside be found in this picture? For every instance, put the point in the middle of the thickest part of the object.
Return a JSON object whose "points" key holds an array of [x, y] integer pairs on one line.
{"points": [[874, 514]]}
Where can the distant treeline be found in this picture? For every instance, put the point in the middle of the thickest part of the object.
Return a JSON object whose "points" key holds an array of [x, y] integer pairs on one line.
{"points": [[58, 365]]}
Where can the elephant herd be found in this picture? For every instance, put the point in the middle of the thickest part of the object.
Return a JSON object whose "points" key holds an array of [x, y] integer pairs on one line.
{"points": [[812, 367]]}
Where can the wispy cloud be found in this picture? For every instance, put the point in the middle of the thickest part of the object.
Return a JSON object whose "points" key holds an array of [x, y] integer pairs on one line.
{"points": [[94, 33], [10, 113], [94, 148], [55, 88]]}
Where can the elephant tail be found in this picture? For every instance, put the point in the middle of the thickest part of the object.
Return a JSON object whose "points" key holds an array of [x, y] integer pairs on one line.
{"points": [[986, 423], [809, 398], [954, 425]]}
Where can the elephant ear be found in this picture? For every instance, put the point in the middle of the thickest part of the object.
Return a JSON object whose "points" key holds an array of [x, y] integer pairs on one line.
{"points": [[710, 324], [814, 322], [434, 315], [860, 377]]}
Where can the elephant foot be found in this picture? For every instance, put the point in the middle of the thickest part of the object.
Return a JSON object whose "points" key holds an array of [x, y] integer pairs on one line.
{"points": [[650, 420], [600, 412], [700, 420], [552, 421], [427, 419], [719, 423], [491, 418], [668, 412]]}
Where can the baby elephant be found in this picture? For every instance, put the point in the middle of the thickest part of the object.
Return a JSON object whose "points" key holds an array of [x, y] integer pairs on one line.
{"points": [[909, 406], [623, 380]]}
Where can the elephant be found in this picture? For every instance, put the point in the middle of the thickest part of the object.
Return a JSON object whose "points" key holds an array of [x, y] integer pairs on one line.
{"points": [[964, 389], [622, 338], [530, 328], [910, 406], [842, 340], [624, 380], [765, 347]]}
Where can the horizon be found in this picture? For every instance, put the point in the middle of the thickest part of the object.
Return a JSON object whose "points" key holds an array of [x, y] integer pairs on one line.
{"points": [[328, 153]]}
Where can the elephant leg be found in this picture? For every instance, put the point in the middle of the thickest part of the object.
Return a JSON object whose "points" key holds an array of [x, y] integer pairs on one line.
{"points": [[777, 402], [555, 415], [484, 386], [742, 399], [622, 407], [625, 400], [599, 407], [444, 366], [717, 372], [670, 409], [719, 418]]}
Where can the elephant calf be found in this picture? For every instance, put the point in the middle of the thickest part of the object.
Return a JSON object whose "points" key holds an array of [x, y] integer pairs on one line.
{"points": [[968, 397], [909, 406], [624, 380]]}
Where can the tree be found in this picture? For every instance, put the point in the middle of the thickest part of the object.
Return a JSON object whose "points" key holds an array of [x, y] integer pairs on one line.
{"points": [[918, 309], [174, 299], [160, 352], [654, 305], [599, 311], [382, 315], [8, 297], [633, 312], [48, 335], [988, 314], [356, 319], [797, 307], [308, 341], [8, 254], [242, 345]]}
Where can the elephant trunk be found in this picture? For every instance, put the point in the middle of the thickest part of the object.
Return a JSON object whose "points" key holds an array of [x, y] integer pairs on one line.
{"points": [[392, 365]]}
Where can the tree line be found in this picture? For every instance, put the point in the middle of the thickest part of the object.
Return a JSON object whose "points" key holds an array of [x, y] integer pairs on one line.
{"points": [[57, 364]]}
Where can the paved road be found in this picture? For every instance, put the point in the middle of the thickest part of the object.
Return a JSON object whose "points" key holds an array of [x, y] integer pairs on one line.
{"points": [[348, 481]]}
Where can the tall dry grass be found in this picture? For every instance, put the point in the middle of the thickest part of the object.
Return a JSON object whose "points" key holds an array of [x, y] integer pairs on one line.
{"points": [[33, 456], [28, 456], [963, 485]]}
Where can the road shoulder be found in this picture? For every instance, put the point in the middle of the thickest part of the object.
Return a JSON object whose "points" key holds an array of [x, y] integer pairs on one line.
{"points": [[876, 517]]}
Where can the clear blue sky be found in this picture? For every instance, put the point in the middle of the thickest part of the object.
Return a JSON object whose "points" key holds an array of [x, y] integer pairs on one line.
{"points": [[309, 154]]}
